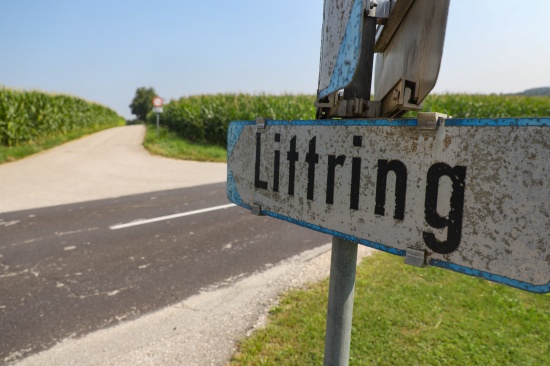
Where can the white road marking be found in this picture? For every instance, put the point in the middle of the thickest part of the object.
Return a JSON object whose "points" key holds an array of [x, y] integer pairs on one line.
{"points": [[61, 233], [162, 218], [8, 223]]}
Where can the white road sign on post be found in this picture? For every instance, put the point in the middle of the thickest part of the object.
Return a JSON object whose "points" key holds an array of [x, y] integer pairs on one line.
{"points": [[157, 104], [157, 108], [470, 195]]}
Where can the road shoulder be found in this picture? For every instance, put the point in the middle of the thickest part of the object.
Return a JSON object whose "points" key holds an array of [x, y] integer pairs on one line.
{"points": [[202, 330]]}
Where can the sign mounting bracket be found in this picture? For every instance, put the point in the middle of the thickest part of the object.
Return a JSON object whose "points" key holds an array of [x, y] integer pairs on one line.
{"points": [[428, 122], [403, 97], [260, 124], [256, 209], [416, 258]]}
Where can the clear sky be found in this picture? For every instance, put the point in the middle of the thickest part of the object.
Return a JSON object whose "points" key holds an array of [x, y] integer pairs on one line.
{"points": [[102, 50]]}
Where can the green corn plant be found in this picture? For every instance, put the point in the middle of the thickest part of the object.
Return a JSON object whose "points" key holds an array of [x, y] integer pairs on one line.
{"points": [[205, 118], [29, 116]]}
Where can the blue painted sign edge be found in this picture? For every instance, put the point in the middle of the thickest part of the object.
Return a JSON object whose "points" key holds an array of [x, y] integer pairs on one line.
{"points": [[235, 129], [402, 122], [348, 55]]}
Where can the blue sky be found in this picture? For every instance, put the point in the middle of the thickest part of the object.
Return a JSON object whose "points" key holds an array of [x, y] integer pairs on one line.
{"points": [[103, 50]]}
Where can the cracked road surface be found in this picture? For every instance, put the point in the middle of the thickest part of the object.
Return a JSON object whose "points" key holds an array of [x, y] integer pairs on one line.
{"points": [[65, 272]]}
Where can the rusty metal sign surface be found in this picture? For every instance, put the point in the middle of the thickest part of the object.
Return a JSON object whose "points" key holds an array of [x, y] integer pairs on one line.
{"points": [[415, 49], [340, 44], [472, 195], [409, 49]]}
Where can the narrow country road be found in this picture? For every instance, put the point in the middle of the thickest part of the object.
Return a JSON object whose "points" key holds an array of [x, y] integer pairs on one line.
{"points": [[111, 163], [102, 244]]}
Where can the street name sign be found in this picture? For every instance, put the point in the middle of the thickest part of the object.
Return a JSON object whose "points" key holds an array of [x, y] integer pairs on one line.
{"points": [[470, 195]]}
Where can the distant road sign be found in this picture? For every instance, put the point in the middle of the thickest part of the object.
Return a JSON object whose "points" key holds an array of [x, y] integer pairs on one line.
{"points": [[157, 102], [472, 195]]}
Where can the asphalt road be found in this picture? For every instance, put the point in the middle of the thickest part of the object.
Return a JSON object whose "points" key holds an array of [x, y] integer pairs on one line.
{"points": [[178, 291], [65, 272]]}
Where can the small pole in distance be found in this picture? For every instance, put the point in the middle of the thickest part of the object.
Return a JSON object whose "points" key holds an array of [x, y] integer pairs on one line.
{"points": [[340, 302], [158, 124]]}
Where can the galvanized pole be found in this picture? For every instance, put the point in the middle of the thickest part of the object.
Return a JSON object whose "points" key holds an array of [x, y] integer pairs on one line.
{"points": [[158, 124], [344, 253], [340, 302]]}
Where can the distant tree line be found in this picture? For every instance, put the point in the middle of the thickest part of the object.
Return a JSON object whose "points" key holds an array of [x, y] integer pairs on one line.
{"points": [[537, 92]]}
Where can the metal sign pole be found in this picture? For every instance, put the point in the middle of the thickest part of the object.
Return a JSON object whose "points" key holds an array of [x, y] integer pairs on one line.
{"points": [[344, 253], [158, 124], [340, 302], [157, 108]]}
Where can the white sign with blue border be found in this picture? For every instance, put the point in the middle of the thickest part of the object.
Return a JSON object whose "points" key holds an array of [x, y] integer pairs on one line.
{"points": [[473, 195]]}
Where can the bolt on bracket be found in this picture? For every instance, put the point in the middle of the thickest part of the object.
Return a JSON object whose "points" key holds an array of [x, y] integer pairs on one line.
{"points": [[369, 7]]}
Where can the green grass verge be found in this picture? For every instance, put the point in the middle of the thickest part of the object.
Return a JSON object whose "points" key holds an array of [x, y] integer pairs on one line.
{"points": [[410, 316], [13, 153], [173, 146]]}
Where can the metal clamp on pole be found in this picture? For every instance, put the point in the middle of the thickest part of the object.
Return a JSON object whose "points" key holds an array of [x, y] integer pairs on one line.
{"points": [[354, 108], [403, 97]]}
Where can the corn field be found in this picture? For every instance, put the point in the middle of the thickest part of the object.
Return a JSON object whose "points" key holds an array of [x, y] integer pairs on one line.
{"points": [[32, 116], [205, 118], [487, 106]]}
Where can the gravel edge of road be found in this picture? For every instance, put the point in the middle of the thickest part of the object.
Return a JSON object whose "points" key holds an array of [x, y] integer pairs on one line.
{"points": [[201, 330]]}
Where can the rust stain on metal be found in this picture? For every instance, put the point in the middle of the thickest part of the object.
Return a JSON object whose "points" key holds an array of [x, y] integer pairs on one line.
{"points": [[336, 179]]}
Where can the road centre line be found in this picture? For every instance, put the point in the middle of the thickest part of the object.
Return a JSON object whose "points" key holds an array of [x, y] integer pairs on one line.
{"points": [[163, 218]]}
